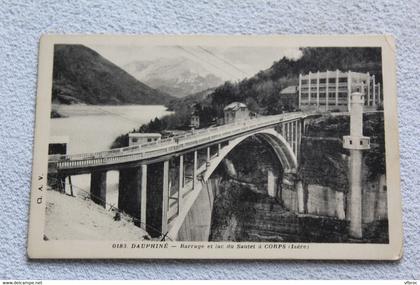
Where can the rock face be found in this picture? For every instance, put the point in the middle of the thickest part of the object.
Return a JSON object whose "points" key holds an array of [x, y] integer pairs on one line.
{"points": [[81, 75], [240, 214], [324, 176], [324, 162]]}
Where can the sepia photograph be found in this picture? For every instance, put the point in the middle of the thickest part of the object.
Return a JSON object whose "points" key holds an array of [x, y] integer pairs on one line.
{"points": [[216, 144]]}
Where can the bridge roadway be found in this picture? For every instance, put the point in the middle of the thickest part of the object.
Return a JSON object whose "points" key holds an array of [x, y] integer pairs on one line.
{"points": [[160, 150]]}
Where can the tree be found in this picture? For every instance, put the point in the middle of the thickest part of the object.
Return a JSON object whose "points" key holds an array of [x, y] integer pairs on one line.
{"points": [[375, 157]]}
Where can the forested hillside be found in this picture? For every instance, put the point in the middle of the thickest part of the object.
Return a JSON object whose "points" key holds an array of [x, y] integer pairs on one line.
{"points": [[81, 75], [261, 91]]}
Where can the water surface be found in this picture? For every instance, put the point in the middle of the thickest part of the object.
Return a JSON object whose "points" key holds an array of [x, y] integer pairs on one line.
{"points": [[92, 128]]}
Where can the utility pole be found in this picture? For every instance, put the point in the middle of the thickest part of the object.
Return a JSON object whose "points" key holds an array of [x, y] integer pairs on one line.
{"points": [[356, 143]]}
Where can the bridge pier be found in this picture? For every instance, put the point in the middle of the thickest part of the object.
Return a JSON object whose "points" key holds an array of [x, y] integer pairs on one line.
{"points": [[98, 187], [57, 181], [283, 130], [132, 193], [181, 181], [165, 197], [144, 195], [60, 183], [300, 197], [208, 155], [294, 143], [296, 136], [157, 198], [271, 183], [299, 139], [195, 166], [289, 193]]}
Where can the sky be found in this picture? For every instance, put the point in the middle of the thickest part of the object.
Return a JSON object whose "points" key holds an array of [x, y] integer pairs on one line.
{"points": [[229, 63]]}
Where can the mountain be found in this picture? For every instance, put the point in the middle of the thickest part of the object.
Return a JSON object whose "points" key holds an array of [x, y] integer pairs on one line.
{"points": [[176, 76], [188, 101], [81, 75]]}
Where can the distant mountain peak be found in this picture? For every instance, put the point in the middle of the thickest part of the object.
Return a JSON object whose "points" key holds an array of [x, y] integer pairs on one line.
{"points": [[178, 76]]}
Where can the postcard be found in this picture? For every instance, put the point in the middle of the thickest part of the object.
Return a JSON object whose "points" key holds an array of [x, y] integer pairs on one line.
{"points": [[216, 147]]}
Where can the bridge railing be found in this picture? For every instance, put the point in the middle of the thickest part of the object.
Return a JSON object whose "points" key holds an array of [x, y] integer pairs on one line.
{"points": [[168, 145]]}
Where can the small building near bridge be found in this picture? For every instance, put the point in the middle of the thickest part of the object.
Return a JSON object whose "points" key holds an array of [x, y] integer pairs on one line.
{"points": [[235, 112], [141, 138], [195, 120], [289, 97], [58, 145]]}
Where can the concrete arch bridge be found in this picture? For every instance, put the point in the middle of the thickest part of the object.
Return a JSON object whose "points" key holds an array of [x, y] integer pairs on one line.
{"points": [[163, 183]]}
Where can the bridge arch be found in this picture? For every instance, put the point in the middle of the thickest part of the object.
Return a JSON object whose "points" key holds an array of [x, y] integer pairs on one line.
{"points": [[279, 144], [202, 200]]}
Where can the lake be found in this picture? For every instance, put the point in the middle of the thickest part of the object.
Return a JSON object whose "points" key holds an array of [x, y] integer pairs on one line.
{"points": [[92, 128]]}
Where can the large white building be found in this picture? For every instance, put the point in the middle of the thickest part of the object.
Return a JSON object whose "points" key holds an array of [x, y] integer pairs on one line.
{"points": [[331, 90]]}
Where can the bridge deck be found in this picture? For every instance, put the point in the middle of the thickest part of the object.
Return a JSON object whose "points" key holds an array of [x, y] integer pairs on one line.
{"points": [[167, 146]]}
